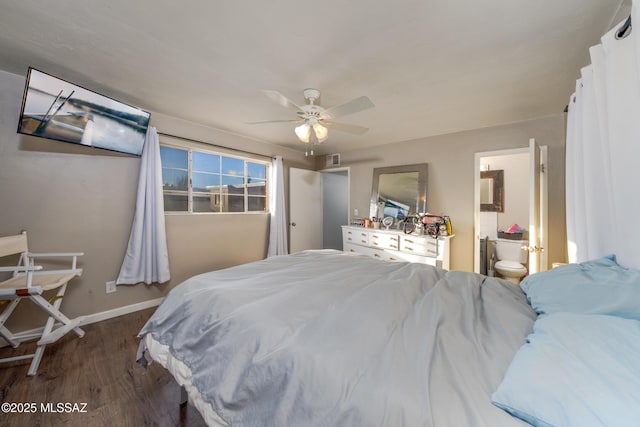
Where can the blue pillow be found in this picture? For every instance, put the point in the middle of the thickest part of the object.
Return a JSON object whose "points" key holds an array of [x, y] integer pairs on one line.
{"points": [[600, 286], [575, 370]]}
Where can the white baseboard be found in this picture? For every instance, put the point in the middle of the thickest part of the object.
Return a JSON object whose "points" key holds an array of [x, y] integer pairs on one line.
{"points": [[96, 317], [120, 311]]}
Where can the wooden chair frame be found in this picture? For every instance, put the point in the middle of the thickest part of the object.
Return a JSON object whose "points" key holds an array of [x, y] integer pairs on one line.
{"points": [[29, 280]]}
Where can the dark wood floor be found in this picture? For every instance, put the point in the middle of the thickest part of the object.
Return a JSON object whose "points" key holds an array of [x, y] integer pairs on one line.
{"points": [[99, 370]]}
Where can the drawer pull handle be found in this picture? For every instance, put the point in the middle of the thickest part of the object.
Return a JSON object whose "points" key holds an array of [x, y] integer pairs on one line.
{"points": [[363, 241], [409, 240], [409, 249], [392, 259], [395, 239], [376, 255], [393, 246], [376, 243], [348, 238], [351, 250], [348, 232]]}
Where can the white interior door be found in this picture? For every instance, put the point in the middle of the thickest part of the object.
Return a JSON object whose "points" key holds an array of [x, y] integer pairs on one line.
{"points": [[476, 213], [534, 207], [544, 212], [305, 210]]}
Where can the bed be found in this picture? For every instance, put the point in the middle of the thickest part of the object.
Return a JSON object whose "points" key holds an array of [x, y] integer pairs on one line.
{"points": [[325, 338]]}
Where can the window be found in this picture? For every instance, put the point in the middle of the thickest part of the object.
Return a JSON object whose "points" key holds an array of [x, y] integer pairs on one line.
{"points": [[206, 182]]}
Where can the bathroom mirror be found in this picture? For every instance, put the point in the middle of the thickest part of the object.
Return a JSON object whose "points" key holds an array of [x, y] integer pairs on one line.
{"points": [[492, 191], [399, 191]]}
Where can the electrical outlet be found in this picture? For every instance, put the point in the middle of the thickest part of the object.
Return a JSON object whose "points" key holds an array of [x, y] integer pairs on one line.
{"points": [[111, 287], [355, 212]]}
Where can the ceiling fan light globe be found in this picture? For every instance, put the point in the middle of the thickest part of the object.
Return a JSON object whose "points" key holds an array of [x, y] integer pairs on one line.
{"points": [[303, 132], [321, 132]]}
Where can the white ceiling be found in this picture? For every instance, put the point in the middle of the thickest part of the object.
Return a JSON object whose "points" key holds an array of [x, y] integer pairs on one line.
{"points": [[430, 66]]}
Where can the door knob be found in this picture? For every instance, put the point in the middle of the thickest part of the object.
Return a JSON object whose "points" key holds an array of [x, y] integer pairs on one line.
{"points": [[293, 224], [532, 249]]}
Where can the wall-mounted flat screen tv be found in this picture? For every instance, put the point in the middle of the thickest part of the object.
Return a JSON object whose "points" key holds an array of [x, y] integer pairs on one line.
{"points": [[56, 109]]}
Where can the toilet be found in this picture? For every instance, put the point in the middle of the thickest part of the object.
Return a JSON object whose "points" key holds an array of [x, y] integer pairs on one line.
{"points": [[511, 258]]}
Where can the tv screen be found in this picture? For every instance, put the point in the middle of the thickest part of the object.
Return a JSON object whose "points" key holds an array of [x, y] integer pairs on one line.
{"points": [[56, 109]]}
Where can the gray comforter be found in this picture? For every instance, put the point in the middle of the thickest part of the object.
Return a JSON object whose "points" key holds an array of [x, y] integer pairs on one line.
{"points": [[322, 338]]}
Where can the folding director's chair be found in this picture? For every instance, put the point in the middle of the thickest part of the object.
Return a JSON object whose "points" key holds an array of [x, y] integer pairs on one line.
{"points": [[29, 280]]}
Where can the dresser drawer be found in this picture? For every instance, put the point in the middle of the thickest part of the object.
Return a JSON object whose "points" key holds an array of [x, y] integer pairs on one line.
{"points": [[359, 237], [363, 250], [425, 246], [384, 240], [409, 257], [356, 249], [376, 253]]}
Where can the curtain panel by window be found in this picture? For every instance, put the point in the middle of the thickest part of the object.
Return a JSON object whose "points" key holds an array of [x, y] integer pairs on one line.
{"points": [[278, 224], [147, 257], [603, 151]]}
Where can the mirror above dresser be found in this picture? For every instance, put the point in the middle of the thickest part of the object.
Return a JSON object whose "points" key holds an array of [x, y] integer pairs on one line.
{"points": [[399, 191]]}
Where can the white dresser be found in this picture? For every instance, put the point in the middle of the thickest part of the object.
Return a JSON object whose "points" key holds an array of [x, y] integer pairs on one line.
{"points": [[394, 245]]}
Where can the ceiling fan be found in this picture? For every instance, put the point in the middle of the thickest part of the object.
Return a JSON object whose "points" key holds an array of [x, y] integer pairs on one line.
{"points": [[315, 119]]}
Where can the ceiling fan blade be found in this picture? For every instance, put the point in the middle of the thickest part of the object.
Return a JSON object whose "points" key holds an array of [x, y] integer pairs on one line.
{"points": [[353, 106], [282, 100], [274, 121], [344, 127]]}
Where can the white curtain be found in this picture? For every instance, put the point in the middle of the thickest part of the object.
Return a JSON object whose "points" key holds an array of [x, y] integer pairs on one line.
{"points": [[278, 227], [147, 258], [603, 152]]}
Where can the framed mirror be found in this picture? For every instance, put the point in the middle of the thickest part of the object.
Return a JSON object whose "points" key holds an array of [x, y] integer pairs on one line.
{"points": [[399, 191], [492, 191]]}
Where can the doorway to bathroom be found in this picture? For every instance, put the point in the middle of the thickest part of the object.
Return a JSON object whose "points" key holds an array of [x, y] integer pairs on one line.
{"points": [[510, 201]]}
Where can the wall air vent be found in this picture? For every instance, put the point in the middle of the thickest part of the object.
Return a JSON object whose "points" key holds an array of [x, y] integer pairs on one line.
{"points": [[333, 160]]}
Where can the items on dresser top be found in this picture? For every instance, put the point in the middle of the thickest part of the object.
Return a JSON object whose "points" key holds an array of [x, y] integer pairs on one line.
{"points": [[394, 245]]}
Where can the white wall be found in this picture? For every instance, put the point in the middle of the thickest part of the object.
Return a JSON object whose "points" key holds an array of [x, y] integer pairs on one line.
{"points": [[75, 198], [451, 176]]}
